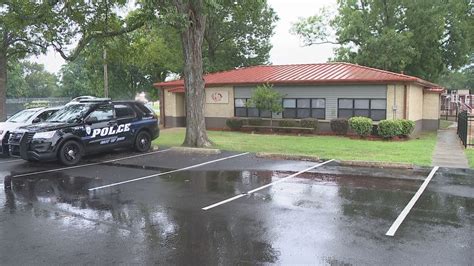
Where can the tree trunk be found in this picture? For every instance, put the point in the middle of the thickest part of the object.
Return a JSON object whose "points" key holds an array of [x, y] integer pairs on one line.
{"points": [[3, 86], [192, 38]]}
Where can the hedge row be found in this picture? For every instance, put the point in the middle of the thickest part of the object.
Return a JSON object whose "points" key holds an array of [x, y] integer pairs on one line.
{"points": [[363, 126], [237, 123]]}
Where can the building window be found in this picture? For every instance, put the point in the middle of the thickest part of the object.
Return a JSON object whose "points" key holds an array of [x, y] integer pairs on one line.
{"points": [[376, 109], [304, 108], [241, 109]]}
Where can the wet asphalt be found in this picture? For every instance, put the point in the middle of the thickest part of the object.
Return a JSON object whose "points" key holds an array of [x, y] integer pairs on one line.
{"points": [[330, 215]]}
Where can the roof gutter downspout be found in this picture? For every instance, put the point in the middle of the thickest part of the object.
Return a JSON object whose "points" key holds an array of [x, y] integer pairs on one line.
{"points": [[405, 104], [394, 108], [162, 107]]}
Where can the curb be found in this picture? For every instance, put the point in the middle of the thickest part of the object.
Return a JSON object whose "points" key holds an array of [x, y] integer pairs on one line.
{"points": [[376, 164], [203, 151], [277, 156], [309, 158]]}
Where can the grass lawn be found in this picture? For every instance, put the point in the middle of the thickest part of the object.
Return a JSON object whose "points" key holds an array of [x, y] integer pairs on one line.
{"points": [[470, 157], [416, 151]]}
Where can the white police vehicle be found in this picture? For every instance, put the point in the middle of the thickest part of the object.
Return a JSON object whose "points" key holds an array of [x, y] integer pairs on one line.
{"points": [[22, 118]]}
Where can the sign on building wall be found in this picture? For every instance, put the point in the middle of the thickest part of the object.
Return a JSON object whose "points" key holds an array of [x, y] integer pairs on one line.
{"points": [[217, 96]]}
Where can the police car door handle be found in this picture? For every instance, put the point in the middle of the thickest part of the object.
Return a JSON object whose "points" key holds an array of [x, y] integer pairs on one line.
{"points": [[112, 123]]}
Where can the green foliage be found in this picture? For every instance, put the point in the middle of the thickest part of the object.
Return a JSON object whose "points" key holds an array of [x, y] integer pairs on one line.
{"points": [[265, 98], [314, 29], [340, 126], [417, 151], [389, 128], [243, 40], [31, 27], [361, 125], [255, 121], [26, 79], [234, 123], [147, 55], [309, 123], [135, 61], [16, 86], [422, 38], [406, 127], [287, 123], [463, 79]]}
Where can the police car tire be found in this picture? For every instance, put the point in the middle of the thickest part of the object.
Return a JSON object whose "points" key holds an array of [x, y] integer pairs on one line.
{"points": [[62, 156], [139, 146]]}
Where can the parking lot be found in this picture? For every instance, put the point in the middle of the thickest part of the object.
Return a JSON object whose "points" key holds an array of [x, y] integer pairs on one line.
{"points": [[168, 207]]}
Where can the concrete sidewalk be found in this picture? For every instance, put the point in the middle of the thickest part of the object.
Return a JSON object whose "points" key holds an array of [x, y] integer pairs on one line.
{"points": [[449, 151]]}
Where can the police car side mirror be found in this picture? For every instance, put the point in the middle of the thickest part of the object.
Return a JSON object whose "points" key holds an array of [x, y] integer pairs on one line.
{"points": [[90, 120]]}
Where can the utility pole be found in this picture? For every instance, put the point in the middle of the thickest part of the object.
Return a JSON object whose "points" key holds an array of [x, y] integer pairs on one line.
{"points": [[106, 76]]}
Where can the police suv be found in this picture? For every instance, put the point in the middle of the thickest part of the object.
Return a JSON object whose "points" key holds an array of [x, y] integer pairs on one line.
{"points": [[85, 127]]}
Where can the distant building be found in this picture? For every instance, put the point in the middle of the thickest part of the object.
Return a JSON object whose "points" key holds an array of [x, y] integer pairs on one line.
{"points": [[455, 100], [323, 91]]}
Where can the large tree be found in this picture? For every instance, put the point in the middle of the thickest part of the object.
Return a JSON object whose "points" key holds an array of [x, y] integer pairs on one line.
{"points": [[135, 61], [421, 38], [238, 34], [27, 79], [190, 18], [30, 27], [192, 14]]}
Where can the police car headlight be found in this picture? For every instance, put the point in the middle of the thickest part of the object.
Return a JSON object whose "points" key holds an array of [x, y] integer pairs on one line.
{"points": [[44, 135]]}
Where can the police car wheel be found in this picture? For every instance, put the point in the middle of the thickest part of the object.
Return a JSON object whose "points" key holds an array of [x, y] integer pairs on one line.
{"points": [[143, 142], [70, 153]]}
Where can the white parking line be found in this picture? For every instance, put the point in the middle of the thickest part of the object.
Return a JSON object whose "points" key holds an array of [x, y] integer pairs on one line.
{"points": [[90, 164], [264, 186], [11, 161], [168, 172], [406, 210]]}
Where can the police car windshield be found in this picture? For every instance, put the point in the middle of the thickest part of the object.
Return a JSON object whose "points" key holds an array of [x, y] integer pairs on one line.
{"points": [[22, 116], [70, 114]]}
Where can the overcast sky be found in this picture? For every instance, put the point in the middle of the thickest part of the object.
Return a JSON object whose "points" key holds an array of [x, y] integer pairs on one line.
{"points": [[287, 48]]}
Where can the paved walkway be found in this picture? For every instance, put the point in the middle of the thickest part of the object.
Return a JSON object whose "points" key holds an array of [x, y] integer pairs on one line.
{"points": [[449, 151]]}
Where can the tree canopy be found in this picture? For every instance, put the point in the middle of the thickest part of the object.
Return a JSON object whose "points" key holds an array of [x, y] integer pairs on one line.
{"points": [[135, 61], [31, 27], [27, 79], [422, 38], [236, 35]]}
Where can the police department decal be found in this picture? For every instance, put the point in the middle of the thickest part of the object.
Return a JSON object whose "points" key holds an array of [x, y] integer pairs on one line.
{"points": [[107, 131]]}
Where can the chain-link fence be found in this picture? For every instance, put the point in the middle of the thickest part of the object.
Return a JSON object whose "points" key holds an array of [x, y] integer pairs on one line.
{"points": [[17, 104]]}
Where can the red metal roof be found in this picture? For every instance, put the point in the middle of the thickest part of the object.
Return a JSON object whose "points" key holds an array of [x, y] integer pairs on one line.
{"points": [[317, 74]]}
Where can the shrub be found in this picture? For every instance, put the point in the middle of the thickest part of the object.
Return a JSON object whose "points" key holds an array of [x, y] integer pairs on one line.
{"points": [[389, 128], [309, 123], [406, 127], [361, 125], [255, 121], [234, 123], [287, 123], [339, 126]]}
